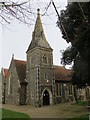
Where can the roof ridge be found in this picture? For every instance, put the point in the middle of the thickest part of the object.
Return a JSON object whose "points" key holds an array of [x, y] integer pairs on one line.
{"points": [[5, 68], [59, 66], [62, 67], [19, 60]]}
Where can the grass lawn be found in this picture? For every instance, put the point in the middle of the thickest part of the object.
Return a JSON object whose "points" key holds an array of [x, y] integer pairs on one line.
{"points": [[81, 103], [83, 117], [74, 111], [12, 114]]}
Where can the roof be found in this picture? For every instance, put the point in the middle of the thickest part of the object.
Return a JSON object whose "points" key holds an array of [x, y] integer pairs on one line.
{"points": [[5, 72], [21, 69], [61, 73], [38, 36]]}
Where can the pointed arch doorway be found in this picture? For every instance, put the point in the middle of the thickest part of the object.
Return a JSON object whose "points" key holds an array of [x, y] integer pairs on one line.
{"points": [[46, 98]]}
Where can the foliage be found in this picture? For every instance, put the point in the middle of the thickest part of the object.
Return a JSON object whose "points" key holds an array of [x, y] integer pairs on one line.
{"points": [[75, 21]]}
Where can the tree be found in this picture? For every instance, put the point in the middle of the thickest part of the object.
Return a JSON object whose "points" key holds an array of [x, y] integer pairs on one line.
{"points": [[76, 24]]}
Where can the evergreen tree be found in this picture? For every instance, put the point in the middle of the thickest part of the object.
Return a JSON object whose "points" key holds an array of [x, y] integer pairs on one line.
{"points": [[76, 24]]}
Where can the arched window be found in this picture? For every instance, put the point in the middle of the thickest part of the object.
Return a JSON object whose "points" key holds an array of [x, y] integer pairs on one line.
{"points": [[10, 85], [44, 59], [57, 89], [60, 90], [30, 60], [70, 89], [45, 76]]}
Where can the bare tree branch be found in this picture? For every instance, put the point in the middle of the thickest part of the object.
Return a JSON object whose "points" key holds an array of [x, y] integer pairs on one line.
{"points": [[61, 24], [12, 4], [22, 11], [46, 8], [10, 10], [4, 19]]}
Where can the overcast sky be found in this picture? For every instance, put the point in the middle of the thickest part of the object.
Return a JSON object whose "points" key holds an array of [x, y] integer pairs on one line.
{"points": [[17, 38]]}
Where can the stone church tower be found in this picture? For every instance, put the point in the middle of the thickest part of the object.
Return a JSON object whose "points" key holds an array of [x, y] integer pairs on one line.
{"points": [[40, 70]]}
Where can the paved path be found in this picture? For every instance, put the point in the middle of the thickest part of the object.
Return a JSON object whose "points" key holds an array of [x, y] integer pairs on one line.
{"points": [[62, 110]]}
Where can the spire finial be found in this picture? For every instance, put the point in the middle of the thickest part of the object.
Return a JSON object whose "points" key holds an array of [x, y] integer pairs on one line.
{"points": [[13, 56], [38, 11]]}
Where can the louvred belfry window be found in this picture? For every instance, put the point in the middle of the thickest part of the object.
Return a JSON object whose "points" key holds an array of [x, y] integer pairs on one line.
{"points": [[44, 59]]}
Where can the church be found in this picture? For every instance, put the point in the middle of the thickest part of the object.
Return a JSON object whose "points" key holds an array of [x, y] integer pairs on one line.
{"points": [[37, 81]]}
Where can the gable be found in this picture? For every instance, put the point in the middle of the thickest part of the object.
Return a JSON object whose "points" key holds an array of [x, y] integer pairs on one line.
{"points": [[21, 69]]}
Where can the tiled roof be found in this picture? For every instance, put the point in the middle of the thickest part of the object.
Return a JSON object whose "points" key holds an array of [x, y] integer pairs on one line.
{"points": [[21, 69], [5, 72], [61, 73]]}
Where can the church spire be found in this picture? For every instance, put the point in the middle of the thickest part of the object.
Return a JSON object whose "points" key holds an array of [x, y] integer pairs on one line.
{"points": [[38, 36], [38, 29]]}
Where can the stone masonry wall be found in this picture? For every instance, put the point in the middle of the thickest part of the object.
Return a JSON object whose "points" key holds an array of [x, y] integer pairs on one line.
{"points": [[12, 74]]}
